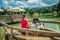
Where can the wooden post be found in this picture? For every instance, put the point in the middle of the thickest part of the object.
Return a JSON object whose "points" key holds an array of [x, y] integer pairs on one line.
{"points": [[5, 29], [43, 23], [27, 33], [36, 34], [11, 33], [6, 33], [13, 13]]}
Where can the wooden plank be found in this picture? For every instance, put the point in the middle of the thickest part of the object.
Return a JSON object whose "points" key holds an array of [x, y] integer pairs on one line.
{"points": [[32, 37], [43, 32], [48, 29], [40, 31], [11, 33], [55, 22], [5, 29], [56, 38]]}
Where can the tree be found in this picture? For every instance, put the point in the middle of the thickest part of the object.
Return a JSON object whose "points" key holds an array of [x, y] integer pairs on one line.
{"points": [[58, 8], [2, 12]]}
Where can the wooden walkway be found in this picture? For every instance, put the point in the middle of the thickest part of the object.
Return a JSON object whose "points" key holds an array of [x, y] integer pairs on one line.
{"points": [[29, 34]]}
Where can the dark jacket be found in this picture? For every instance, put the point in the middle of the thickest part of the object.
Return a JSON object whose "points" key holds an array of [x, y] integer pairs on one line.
{"points": [[36, 20]]}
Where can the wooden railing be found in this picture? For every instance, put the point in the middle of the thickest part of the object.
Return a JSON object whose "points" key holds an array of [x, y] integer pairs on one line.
{"points": [[54, 22], [9, 18], [35, 32], [13, 18]]}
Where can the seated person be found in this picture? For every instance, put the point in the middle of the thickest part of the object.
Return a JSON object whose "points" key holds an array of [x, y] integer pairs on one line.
{"points": [[36, 21], [24, 22]]}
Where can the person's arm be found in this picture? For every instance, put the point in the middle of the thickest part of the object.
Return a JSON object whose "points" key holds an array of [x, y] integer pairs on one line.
{"points": [[28, 26], [39, 21], [20, 20]]}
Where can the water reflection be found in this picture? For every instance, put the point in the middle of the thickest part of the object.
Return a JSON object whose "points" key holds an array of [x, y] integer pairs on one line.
{"points": [[52, 26], [48, 25]]}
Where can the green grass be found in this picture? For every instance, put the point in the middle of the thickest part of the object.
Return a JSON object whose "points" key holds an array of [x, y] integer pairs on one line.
{"points": [[45, 17], [1, 33], [16, 25]]}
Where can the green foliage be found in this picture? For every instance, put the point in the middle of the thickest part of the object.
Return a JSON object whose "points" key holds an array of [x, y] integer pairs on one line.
{"points": [[49, 9], [1, 33]]}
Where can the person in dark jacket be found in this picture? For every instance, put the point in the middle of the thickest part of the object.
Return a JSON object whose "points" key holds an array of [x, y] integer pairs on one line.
{"points": [[36, 21]]}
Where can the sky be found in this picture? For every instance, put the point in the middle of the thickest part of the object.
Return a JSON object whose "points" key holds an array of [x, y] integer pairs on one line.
{"points": [[27, 3]]}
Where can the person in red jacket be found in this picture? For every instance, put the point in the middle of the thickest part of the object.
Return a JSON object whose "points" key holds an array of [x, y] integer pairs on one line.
{"points": [[24, 22]]}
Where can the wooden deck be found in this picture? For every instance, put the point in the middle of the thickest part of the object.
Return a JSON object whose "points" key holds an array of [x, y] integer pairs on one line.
{"points": [[32, 37], [30, 34]]}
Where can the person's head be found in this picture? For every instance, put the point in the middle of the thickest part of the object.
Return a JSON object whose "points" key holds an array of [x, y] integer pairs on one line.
{"points": [[35, 15], [24, 16]]}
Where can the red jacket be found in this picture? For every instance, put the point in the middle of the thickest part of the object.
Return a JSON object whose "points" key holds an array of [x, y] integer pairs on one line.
{"points": [[24, 23]]}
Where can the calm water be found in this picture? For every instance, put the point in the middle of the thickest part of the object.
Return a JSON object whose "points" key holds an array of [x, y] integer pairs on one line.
{"points": [[47, 25], [51, 25]]}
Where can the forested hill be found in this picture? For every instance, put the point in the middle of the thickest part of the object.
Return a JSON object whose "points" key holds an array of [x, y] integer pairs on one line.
{"points": [[48, 9]]}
